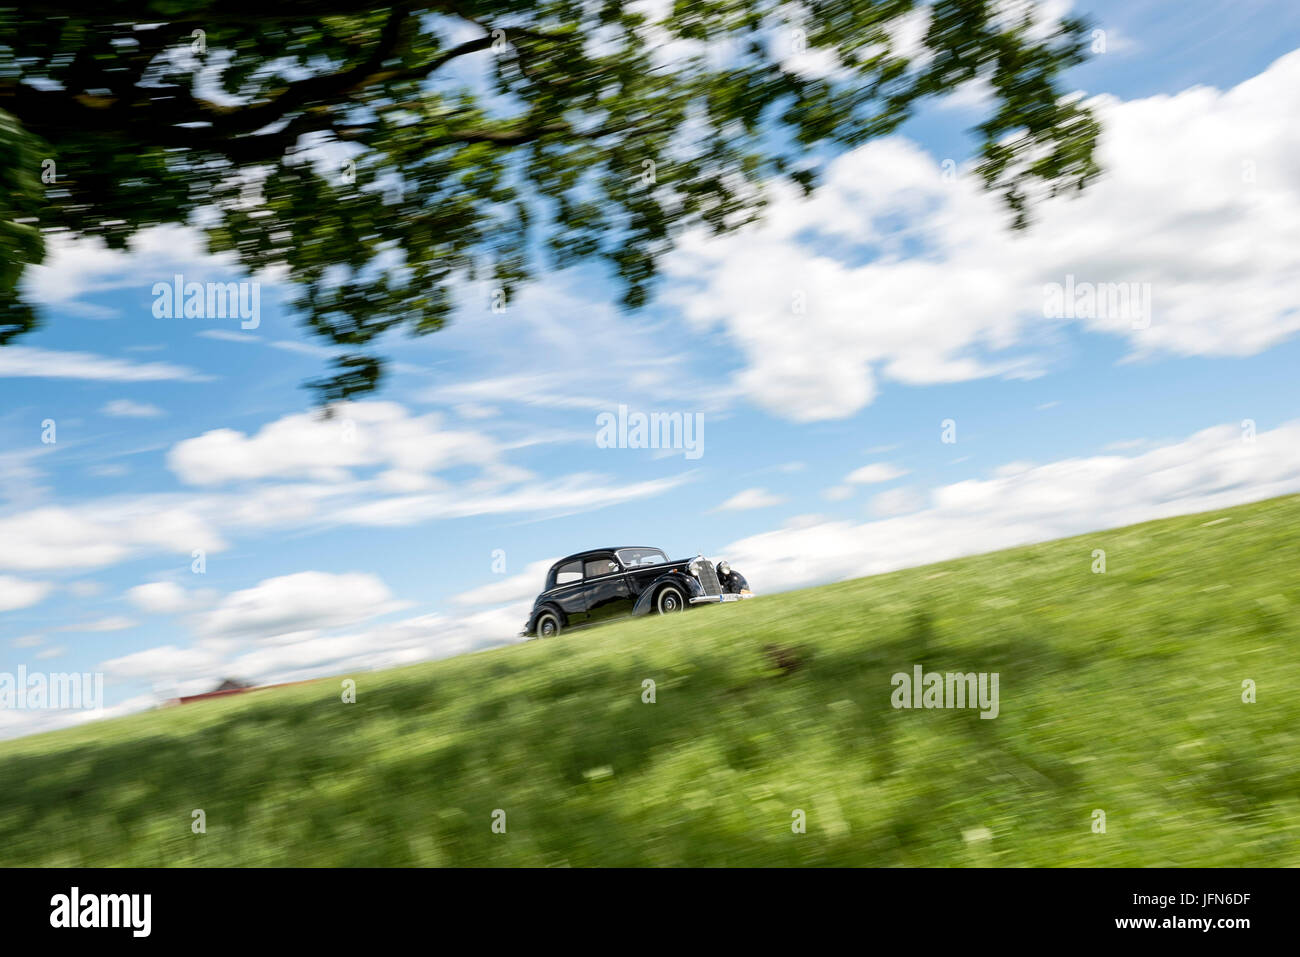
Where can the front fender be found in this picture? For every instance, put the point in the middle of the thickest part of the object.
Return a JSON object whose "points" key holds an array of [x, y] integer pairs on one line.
{"points": [[645, 604]]}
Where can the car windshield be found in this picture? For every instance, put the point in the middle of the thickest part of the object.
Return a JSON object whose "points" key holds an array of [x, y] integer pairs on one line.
{"points": [[634, 557]]}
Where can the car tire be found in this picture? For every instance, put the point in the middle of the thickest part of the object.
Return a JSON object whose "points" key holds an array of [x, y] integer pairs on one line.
{"points": [[548, 624], [669, 600]]}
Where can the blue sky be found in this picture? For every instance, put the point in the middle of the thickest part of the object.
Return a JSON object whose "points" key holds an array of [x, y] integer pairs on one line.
{"points": [[377, 538]]}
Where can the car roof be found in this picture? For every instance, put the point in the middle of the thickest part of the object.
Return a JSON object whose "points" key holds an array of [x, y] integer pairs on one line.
{"points": [[602, 551]]}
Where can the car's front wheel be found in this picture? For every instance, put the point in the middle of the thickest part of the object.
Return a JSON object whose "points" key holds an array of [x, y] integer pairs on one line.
{"points": [[548, 625], [669, 600]]}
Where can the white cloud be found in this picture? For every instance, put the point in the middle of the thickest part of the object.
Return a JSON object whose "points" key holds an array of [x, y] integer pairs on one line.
{"points": [[897, 501], [973, 96], [299, 602], [126, 408], [521, 587], [78, 267], [539, 389], [196, 669], [313, 349], [359, 434], [1200, 198], [473, 410], [875, 473], [160, 598], [166, 663], [109, 470], [1212, 469], [1115, 39], [18, 593], [20, 479], [406, 450], [15, 722], [110, 623], [35, 362], [750, 498], [384, 646], [1041, 17], [101, 532], [1126, 445], [228, 335], [580, 492], [607, 358]]}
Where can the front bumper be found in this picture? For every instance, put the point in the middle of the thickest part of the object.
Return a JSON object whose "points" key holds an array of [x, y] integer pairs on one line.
{"points": [[714, 599]]}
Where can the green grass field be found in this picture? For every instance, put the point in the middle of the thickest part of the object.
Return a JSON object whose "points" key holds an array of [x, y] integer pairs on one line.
{"points": [[1119, 691]]}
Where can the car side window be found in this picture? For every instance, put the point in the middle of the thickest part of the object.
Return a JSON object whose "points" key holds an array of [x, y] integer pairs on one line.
{"points": [[566, 574], [601, 566]]}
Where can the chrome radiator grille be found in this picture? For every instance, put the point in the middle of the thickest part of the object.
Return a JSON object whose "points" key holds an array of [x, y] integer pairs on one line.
{"points": [[709, 579]]}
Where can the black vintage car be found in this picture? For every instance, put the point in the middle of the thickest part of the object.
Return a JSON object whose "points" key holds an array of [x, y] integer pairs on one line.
{"points": [[608, 583]]}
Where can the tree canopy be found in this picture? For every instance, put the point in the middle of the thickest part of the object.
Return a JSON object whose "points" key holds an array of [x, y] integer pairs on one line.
{"points": [[360, 151]]}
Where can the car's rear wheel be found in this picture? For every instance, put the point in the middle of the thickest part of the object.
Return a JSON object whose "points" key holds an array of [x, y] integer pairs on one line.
{"points": [[548, 624], [669, 600]]}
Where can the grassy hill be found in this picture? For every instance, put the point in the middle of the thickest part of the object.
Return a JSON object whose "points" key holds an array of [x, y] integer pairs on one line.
{"points": [[1119, 691]]}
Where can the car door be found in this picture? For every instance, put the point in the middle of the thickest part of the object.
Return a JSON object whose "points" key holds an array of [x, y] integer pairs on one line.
{"points": [[569, 590], [607, 592]]}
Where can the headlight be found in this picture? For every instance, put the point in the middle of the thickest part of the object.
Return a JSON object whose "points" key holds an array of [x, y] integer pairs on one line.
{"points": [[694, 568]]}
